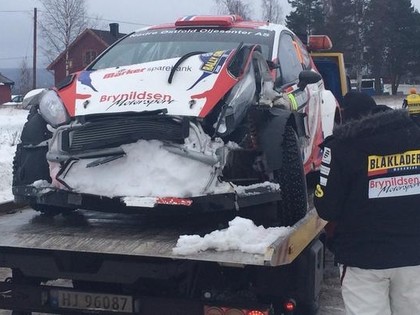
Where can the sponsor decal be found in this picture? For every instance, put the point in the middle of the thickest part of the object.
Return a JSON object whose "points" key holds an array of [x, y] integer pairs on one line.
{"points": [[326, 156], [325, 170], [122, 72], [85, 79], [169, 68], [136, 98], [212, 63], [395, 186], [318, 191], [261, 33], [409, 160], [323, 181]]}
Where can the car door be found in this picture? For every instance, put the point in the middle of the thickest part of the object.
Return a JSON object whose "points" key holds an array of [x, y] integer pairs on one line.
{"points": [[293, 58]]}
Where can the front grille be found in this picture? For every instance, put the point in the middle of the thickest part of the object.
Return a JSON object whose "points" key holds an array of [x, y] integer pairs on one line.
{"points": [[106, 133]]}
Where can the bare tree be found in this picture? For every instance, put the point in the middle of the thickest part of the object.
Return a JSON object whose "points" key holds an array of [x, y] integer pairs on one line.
{"points": [[237, 7], [272, 11], [24, 84], [61, 22]]}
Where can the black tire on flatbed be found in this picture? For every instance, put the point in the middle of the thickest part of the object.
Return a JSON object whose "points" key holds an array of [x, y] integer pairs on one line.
{"points": [[291, 177], [30, 162]]}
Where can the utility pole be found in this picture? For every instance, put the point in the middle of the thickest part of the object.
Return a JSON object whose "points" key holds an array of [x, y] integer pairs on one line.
{"points": [[34, 52]]}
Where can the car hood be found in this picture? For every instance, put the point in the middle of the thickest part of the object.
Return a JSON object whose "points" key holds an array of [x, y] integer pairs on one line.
{"points": [[197, 85]]}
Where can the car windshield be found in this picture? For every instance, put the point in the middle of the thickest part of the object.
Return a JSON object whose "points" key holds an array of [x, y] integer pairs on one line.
{"points": [[151, 45]]}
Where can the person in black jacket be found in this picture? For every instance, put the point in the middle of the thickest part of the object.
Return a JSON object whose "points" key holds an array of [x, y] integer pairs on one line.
{"points": [[370, 187]]}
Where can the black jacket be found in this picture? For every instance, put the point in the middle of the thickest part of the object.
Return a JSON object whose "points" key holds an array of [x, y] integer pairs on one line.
{"points": [[370, 186]]}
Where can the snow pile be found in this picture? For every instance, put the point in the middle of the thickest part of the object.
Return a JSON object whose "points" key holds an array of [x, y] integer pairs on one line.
{"points": [[147, 170], [242, 234]]}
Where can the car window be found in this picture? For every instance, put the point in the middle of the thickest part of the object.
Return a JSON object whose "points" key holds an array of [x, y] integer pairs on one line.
{"points": [[306, 59], [151, 45], [290, 65]]}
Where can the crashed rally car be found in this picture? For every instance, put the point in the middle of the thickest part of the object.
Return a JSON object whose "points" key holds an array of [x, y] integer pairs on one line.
{"points": [[211, 113]]}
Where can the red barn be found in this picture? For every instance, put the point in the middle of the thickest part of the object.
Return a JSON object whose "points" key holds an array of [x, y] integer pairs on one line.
{"points": [[89, 44], [5, 89]]}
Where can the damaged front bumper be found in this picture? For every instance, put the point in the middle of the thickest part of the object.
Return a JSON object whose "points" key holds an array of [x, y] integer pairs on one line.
{"points": [[242, 197]]}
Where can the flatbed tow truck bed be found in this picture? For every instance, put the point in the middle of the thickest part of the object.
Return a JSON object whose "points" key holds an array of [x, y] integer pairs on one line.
{"points": [[113, 234]]}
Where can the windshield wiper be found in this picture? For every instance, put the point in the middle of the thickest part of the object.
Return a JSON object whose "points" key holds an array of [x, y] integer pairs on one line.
{"points": [[181, 60]]}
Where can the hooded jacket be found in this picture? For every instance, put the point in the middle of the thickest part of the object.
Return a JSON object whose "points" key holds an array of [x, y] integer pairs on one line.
{"points": [[370, 186]]}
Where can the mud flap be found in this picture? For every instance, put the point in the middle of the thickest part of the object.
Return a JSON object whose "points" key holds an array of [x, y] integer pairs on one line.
{"points": [[309, 279], [271, 134]]}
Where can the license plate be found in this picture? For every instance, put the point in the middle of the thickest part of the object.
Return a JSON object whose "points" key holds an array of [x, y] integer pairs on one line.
{"points": [[91, 301]]}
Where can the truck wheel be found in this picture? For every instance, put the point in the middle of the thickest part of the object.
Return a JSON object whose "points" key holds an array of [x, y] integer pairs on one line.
{"points": [[291, 178]]}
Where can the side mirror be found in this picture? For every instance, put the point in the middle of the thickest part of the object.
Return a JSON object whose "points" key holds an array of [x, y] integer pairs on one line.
{"points": [[308, 77]]}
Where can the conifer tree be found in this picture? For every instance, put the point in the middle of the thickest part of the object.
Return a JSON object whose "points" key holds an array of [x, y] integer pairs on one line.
{"points": [[306, 17], [392, 35]]}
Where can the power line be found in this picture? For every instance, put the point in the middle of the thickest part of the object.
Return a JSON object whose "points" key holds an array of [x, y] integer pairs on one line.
{"points": [[13, 58], [125, 22], [14, 11], [90, 17]]}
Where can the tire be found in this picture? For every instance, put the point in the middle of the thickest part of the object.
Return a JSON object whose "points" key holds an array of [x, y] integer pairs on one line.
{"points": [[29, 162], [291, 177]]}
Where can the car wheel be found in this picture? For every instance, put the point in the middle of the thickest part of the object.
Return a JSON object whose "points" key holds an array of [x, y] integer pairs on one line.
{"points": [[291, 178], [29, 162]]}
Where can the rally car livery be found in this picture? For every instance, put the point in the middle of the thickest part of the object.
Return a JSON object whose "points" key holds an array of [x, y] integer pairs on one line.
{"points": [[210, 113]]}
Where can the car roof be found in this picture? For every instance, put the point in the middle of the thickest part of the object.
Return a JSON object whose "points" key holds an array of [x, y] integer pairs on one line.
{"points": [[217, 21]]}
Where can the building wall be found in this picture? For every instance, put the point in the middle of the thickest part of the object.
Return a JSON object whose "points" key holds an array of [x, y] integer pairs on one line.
{"points": [[5, 93], [80, 56], [59, 71]]}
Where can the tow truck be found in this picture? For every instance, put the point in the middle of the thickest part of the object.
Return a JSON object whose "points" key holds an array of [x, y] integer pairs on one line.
{"points": [[124, 264], [110, 262]]}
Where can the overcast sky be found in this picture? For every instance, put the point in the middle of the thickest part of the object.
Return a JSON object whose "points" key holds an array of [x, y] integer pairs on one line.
{"points": [[17, 19]]}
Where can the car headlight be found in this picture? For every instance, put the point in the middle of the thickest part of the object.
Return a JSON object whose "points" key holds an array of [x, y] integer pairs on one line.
{"points": [[52, 109]]}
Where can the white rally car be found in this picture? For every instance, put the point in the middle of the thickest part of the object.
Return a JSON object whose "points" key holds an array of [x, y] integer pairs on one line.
{"points": [[210, 113]]}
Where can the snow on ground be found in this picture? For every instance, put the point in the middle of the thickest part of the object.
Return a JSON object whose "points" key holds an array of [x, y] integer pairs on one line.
{"points": [[11, 122]]}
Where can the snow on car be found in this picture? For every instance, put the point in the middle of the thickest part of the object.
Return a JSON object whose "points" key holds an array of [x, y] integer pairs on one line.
{"points": [[211, 113]]}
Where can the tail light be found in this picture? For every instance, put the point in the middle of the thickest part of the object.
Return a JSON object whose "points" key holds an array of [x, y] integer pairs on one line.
{"points": [[289, 306], [213, 310]]}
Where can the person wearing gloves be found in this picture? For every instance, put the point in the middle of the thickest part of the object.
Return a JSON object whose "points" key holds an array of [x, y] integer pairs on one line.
{"points": [[369, 186]]}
